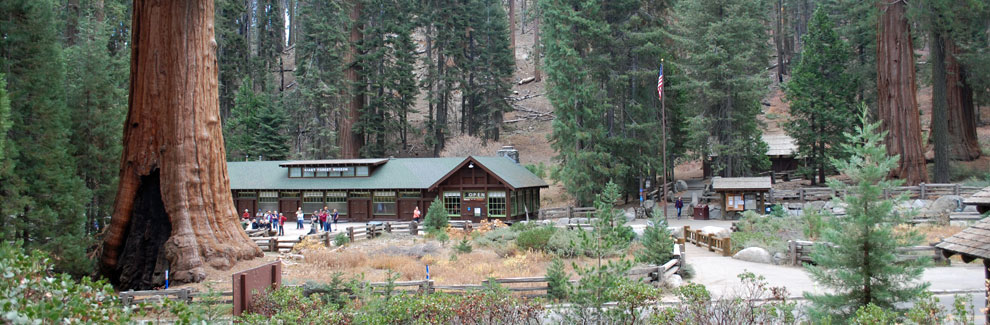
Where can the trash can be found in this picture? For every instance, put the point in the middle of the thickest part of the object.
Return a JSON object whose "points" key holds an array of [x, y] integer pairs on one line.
{"points": [[701, 212]]}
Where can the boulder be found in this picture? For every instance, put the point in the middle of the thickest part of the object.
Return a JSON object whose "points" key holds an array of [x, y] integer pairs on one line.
{"points": [[676, 231], [814, 206], [674, 281], [755, 255], [680, 186], [716, 231], [944, 205], [779, 258]]}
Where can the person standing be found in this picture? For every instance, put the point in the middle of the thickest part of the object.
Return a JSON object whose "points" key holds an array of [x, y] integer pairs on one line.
{"points": [[334, 218], [323, 220], [679, 205], [416, 214], [299, 218], [281, 224]]}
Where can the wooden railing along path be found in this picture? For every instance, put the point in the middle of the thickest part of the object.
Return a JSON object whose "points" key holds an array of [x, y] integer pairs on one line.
{"points": [[800, 252], [185, 295], [922, 191], [719, 245]]}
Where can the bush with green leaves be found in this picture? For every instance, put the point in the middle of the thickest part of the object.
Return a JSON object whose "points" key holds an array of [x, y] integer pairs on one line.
{"points": [[341, 239], [658, 246], [30, 292], [500, 236], [436, 217], [535, 238], [288, 305], [768, 232], [565, 243]]}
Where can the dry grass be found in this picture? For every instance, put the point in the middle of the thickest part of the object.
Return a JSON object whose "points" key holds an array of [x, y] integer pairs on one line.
{"points": [[932, 233]]}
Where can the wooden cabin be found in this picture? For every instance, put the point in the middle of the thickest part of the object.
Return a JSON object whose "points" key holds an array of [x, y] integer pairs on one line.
{"points": [[781, 151], [742, 193], [472, 188], [971, 243]]}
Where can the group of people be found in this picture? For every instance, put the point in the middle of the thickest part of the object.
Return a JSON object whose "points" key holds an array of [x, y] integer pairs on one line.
{"points": [[271, 220], [324, 218]]}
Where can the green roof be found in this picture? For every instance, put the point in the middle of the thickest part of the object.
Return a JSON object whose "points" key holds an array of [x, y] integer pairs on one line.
{"points": [[397, 173]]}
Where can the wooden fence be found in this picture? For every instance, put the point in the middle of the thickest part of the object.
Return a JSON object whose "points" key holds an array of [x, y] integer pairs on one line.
{"points": [[185, 295], [922, 191], [720, 245], [566, 212], [800, 252]]}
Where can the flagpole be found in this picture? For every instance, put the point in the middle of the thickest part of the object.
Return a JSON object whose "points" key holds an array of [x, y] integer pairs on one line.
{"points": [[663, 126]]}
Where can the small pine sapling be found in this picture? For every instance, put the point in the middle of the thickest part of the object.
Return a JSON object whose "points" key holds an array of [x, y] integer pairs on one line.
{"points": [[658, 246]]}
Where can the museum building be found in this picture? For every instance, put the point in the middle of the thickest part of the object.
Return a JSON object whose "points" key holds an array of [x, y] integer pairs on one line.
{"points": [[388, 189]]}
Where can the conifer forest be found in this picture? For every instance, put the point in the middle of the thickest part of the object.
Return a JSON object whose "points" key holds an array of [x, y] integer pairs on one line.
{"points": [[119, 120]]}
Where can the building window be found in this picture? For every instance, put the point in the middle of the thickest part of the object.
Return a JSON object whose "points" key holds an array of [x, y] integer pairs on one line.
{"points": [[337, 200], [247, 194], [452, 202], [312, 201], [360, 195], [295, 172], [267, 201], [362, 171], [384, 202], [289, 194], [347, 172], [496, 204], [410, 195]]}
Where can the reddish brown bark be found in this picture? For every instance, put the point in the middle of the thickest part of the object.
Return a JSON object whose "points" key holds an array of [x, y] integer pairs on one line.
{"points": [[174, 207], [350, 142], [963, 141], [896, 101]]}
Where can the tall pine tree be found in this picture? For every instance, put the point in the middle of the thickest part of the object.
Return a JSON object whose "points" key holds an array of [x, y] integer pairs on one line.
{"points": [[232, 50], [321, 41], [726, 52], [821, 93], [860, 266], [53, 213], [387, 64], [96, 88], [255, 127]]}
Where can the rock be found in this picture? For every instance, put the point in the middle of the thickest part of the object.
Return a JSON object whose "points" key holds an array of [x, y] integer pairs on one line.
{"points": [[814, 206], [779, 258], [944, 205], [630, 216], [716, 231], [674, 281], [918, 204], [676, 231], [755, 255], [680, 186]]}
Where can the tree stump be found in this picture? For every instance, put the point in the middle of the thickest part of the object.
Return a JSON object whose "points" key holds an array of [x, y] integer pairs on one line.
{"points": [[174, 207]]}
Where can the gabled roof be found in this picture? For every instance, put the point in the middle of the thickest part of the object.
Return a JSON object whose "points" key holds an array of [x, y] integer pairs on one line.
{"points": [[780, 145], [981, 197], [972, 242], [395, 173], [741, 183], [336, 162], [507, 171]]}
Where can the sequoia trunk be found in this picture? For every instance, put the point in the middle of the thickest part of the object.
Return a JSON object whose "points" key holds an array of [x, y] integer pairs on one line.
{"points": [[963, 141], [350, 141], [896, 102], [174, 208]]}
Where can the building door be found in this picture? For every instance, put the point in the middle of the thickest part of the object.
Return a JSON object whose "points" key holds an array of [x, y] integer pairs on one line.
{"points": [[406, 208], [288, 207], [246, 204], [473, 206], [357, 210]]}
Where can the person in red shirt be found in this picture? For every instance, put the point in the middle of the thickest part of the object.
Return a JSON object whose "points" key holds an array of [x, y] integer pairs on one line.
{"points": [[246, 215], [323, 220], [281, 224]]}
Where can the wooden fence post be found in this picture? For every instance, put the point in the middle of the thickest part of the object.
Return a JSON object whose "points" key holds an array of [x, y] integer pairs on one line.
{"points": [[570, 212], [273, 244], [924, 191], [792, 246], [326, 239], [388, 227], [414, 228], [956, 189], [350, 233], [727, 246], [687, 230], [801, 194]]}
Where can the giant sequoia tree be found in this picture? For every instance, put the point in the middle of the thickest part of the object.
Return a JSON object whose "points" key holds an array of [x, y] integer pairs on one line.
{"points": [[173, 209], [897, 105]]}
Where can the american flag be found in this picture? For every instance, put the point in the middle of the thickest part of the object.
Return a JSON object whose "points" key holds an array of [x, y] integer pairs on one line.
{"points": [[660, 84]]}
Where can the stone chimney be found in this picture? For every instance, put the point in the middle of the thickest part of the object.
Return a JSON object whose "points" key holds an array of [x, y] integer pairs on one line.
{"points": [[509, 152]]}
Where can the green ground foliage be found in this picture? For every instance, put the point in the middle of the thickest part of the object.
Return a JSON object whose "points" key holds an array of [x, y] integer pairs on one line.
{"points": [[861, 267], [535, 238]]}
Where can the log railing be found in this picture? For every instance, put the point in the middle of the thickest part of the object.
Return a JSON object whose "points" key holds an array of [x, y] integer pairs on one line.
{"points": [[719, 245], [922, 191], [184, 295], [800, 252]]}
